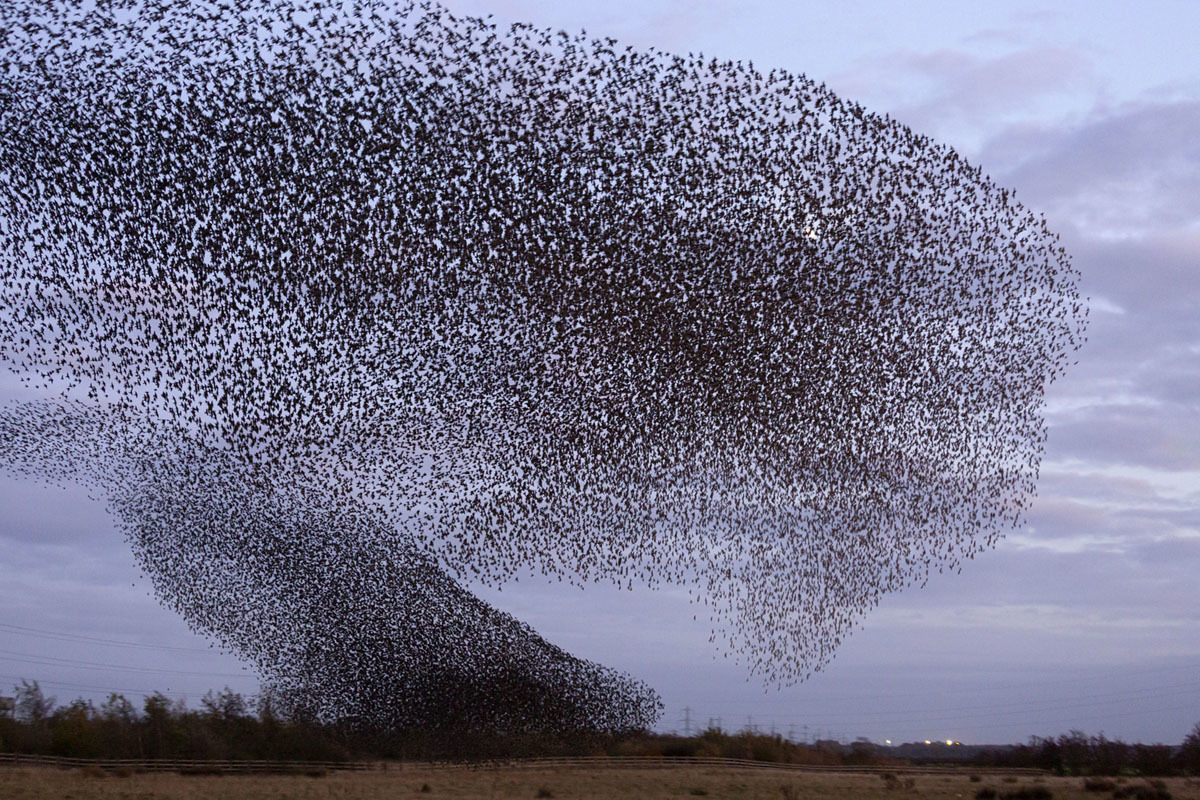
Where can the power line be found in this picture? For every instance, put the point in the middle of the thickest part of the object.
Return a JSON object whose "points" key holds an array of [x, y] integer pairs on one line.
{"points": [[1106, 716], [1190, 668], [72, 637], [1021, 706], [991, 716], [88, 687], [1024, 706], [55, 661]]}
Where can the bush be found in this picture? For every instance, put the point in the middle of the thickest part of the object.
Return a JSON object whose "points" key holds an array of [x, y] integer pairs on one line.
{"points": [[976, 779], [986, 793], [1028, 793], [1152, 790], [892, 781], [1188, 757], [1098, 785]]}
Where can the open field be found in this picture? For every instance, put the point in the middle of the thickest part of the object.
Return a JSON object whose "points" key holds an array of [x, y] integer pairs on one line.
{"points": [[43, 783]]}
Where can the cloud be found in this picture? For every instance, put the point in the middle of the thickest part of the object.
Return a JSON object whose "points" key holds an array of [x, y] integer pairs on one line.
{"points": [[1133, 401], [1039, 118], [1153, 273], [1098, 486], [975, 86], [36, 513], [1074, 524], [961, 96], [1131, 435], [1171, 552], [1119, 172], [1058, 517]]}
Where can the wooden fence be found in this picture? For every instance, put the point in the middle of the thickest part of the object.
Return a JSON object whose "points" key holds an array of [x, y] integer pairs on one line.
{"points": [[184, 765], [589, 762], [654, 762]]}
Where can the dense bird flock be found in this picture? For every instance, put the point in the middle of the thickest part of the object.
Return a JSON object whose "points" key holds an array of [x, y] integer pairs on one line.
{"points": [[343, 304]]}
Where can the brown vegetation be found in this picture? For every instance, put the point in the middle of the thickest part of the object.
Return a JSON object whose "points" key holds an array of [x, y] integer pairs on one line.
{"points": [[562, 784]]}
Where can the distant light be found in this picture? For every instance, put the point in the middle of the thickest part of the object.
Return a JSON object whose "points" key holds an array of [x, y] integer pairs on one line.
{"points": [[887, 741], [928, 742], [949, 742]]}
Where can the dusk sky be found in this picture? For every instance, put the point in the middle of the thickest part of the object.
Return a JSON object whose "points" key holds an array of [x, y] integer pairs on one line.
{"points": [[1087, 618]]}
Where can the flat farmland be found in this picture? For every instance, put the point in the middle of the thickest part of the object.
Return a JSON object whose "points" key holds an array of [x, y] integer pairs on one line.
{"points": [[44, 783]]}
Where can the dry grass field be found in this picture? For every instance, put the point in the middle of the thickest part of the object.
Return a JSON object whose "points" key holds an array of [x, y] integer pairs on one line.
{"points": [[43, 783]]}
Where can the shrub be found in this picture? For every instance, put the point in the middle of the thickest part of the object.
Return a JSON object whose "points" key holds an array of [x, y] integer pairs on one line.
{"points": [[544, 792], [1189, 752], [1028, 793], [976, 779], [1098, 785], [986, 793], [1153, 790], [892, 781]]}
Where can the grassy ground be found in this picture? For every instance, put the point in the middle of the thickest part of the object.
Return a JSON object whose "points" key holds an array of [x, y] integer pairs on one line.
{"points": [[509, 784]]}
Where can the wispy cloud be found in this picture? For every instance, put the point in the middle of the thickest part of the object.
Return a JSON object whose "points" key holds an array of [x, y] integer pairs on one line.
{"points": [[962, 96], [1120, 172]]}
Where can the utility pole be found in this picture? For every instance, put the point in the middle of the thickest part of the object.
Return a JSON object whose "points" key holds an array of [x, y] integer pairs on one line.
{"points": [[687, 721]]}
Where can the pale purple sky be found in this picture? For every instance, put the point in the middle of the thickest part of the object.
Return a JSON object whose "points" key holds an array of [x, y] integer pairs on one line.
{"points": [[1088, 618]]}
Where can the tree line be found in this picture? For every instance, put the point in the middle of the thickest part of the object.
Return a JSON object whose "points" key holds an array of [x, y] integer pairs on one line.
{"points": [[1076, 753], [229, 726]]}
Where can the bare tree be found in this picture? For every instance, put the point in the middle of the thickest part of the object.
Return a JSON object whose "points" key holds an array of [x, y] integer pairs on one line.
{"points": [[31, 704]]}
